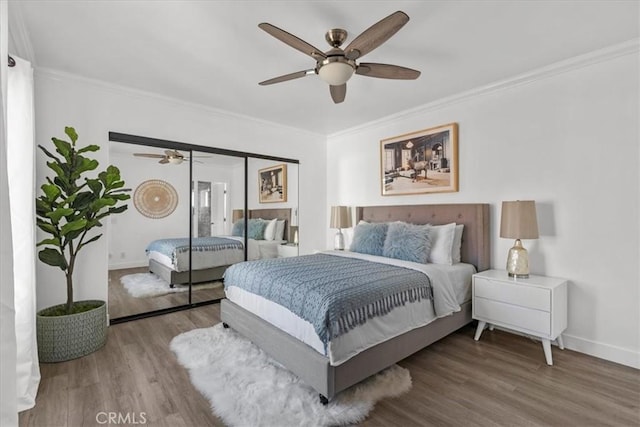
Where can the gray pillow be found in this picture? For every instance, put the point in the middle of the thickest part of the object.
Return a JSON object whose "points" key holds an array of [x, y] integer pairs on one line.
{"points": [[408, 242], [369, 238]]}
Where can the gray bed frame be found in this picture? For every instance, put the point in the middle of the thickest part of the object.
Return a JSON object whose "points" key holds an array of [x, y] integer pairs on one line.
{"points": [[314, 368], [216, 273]]}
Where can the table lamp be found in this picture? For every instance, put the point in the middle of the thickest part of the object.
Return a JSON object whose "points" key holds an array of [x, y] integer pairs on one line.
{"points": [[340, 218], [518, 221]]}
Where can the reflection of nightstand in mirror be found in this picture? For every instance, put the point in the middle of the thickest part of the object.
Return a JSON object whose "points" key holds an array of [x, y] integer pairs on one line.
{"points": [[287, 250]]}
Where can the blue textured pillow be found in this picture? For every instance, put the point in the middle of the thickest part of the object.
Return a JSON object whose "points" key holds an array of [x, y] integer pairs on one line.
{"points": [[238, 228], [256, 229], [408, 242], [369, 238]]}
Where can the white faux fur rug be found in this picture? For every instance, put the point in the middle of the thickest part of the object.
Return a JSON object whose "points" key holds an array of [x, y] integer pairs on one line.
{"points": [[142, 285], [247, 388]]}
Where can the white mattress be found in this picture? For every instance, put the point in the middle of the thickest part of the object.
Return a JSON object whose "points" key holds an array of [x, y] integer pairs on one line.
{"points": [[258, 249], [374, 331]]}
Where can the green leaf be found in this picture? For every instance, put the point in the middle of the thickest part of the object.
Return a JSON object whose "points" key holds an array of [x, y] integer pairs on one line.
{"points": [[63, 147], [57, 168], [73, 226], [55, 241], [120, 196], [53, 258], [93, 239], [118, 209], [83, 200], [48, 153], [57, 214], [89, 148], [83, 165], [71, 133], [46, 227], [95, 185], [51, 191], [101, 203]]}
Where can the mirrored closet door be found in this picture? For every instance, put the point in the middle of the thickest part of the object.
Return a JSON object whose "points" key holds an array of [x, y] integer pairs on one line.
{"points": [[194, 212], [158, 211]]}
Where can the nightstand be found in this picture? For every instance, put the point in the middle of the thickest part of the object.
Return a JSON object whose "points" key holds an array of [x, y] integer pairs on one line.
{"points": [[535, 306], [287, 250]]}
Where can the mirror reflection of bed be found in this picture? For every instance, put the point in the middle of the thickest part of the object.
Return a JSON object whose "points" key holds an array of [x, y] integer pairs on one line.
{"points": [[211, 198]]}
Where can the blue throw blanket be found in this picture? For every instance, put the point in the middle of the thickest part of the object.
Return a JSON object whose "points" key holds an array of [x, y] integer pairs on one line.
{"points": [[335, 294], [173, 247]]}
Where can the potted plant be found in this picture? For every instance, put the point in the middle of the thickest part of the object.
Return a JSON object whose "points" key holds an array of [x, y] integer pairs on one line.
{"points": [[68, 209]]}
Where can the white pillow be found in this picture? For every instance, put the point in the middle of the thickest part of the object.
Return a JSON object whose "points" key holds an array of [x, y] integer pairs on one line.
{"points": [[270, 229], [457, 244], [279, 234], [441, 243]]}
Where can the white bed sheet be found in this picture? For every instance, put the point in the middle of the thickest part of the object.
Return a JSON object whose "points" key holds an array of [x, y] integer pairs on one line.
{"points": [[258, 249], [374, 331]]}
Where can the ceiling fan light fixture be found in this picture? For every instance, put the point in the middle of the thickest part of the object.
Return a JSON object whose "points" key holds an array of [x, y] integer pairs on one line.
{"points": [[175, 160], [336, 71]]}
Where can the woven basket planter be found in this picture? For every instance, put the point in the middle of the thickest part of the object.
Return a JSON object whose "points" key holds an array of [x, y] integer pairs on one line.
{"points": [[68, 337]]}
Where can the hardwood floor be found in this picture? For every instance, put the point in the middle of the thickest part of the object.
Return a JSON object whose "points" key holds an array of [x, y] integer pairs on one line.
{"points": [[500, 380], [122, 304]]}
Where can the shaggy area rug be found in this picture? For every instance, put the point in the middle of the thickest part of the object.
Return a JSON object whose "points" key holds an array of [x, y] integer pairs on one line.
{"points": [[247, 388], [143, 285]]}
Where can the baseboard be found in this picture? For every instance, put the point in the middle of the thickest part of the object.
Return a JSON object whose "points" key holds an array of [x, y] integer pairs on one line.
{"points": [[609, 352], [128, 264]]}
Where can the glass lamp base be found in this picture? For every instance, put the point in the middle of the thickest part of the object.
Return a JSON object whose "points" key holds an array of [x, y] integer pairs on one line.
{"points": [[518, 261], [338, 241]]}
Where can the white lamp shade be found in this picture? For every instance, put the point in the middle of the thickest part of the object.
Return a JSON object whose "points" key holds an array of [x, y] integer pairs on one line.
{"points": [[340, 217], [336, 73], [518, 220]]}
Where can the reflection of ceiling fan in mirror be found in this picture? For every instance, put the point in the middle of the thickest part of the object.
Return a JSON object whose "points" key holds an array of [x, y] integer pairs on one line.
{"points": [[173, 157]]}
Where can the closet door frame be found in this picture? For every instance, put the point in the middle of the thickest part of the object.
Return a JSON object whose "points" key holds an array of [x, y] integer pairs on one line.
{"points": [[182, 146]]}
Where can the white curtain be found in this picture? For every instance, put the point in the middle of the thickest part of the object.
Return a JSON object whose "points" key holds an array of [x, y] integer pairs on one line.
{"points": [[8, 399], [21, 172]]}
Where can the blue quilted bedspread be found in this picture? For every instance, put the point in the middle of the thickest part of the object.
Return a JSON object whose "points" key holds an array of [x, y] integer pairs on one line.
{"points": [[173, 247], [335, 294]]}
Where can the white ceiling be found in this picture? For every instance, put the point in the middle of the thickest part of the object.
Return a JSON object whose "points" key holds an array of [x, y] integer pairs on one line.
{"points": [[213, 53]]}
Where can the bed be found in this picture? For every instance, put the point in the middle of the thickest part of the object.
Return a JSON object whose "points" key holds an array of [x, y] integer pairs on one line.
{"points": [[331, 373], [170, 258]]}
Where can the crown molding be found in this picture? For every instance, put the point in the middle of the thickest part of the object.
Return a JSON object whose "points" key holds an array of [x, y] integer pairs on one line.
{"points": [[606, 54], [19, 40], [54, 74]]}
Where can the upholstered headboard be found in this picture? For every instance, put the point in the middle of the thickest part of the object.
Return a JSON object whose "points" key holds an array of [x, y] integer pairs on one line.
{"points": [[475, 217], [284, 213]]}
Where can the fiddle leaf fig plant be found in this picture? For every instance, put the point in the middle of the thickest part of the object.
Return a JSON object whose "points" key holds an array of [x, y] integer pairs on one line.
{"points": [[72, 205]]}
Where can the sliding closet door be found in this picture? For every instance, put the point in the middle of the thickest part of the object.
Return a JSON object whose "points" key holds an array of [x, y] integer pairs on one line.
{"points": [[217, 203], [142, 267]]}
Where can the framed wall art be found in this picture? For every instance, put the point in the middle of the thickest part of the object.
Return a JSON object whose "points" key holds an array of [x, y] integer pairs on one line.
{"points": [[272, 182], [420, 162]]}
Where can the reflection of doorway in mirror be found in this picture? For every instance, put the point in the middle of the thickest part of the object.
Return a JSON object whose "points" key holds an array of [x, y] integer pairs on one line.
{"points": [[204, 209], [210, 205]]}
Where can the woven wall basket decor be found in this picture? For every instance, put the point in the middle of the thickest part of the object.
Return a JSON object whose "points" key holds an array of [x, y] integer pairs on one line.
{"points": [[155, 198]]}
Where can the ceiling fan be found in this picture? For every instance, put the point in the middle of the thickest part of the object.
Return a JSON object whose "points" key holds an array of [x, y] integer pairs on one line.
{"points": [[173, 157], [336, 66]]}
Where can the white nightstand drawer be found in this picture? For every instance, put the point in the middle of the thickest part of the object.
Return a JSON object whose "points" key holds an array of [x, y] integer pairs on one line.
{"points": [[512, 315], [513, 293]]}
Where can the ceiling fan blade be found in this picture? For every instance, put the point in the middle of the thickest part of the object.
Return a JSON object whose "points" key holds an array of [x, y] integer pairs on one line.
{"points": [[173, 153], [338, 93], [292, 41], [386, 71], [155, 156], [286, 77], [376, 34], [164, 161]]}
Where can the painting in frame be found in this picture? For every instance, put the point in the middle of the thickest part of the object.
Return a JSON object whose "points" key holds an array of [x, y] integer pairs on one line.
{"points": [[420, 162], [272, 183]]}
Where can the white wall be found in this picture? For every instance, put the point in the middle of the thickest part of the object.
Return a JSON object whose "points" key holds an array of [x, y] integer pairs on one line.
{"points": [[569, 141], [94, 109]]}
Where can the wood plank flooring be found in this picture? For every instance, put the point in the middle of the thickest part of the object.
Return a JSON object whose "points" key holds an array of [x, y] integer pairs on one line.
{"points": [[501, 380], [122, 304]]}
